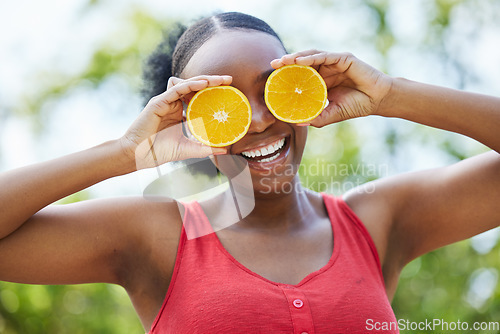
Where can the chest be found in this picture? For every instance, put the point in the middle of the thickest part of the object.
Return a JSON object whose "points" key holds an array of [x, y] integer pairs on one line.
{"points": [[283, 258], [214, 292]]}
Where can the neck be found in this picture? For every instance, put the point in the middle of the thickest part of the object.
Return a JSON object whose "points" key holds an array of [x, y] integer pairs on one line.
{"points": [[281, 211], [278, 212]]}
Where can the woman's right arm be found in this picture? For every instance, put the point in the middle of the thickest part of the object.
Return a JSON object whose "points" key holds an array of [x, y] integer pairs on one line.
{"points": [[87, 241], [27, 190]]}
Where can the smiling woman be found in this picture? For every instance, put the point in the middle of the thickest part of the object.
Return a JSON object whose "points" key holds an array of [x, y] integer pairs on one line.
{"points": [[300, 261]]}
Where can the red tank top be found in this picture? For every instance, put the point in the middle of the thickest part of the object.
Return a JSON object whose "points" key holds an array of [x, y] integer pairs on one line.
{"points": [[211, 292]]}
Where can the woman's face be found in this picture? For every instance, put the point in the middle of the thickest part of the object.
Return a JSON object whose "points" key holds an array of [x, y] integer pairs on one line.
{"points": [[246, 56]]}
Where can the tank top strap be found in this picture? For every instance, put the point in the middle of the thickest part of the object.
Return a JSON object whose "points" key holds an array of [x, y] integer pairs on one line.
{"points": [[348, 221], [195, 224], [195, 221]]}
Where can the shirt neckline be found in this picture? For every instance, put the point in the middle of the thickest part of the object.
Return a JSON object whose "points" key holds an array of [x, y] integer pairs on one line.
{"points": [[308, 277]]}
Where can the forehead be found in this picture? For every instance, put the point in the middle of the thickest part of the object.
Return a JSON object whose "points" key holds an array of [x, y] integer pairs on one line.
{"points": [[233, 51]]}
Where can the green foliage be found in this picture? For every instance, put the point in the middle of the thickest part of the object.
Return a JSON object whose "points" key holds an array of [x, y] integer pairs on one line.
{"points": [[82, 309], [443, 11], [436, 285], [384, 39]]}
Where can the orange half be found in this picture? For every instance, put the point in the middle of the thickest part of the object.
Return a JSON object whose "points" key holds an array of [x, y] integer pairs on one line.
{"points": [[219, 116], [295, 93]]}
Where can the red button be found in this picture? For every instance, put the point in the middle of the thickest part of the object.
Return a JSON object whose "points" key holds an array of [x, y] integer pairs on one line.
{"points": [[298, 303]]}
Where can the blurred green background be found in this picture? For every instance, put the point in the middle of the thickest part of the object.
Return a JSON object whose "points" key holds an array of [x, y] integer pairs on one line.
{"points": [[70, 76]]}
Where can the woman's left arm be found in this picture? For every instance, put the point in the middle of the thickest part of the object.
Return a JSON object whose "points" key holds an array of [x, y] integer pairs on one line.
{"points": [[356, 89], [414, 213], [474, 115], [449, 204]]}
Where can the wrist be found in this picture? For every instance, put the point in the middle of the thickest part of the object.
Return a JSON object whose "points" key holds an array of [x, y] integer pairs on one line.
{"points": [[390, 104], [122, 154]]}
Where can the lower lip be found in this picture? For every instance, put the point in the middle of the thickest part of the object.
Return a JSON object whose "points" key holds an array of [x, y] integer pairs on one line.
{"points": [[266, 166]]}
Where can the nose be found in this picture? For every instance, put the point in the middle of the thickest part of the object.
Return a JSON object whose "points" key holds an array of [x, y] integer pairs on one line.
{"points": [[262, 118]]}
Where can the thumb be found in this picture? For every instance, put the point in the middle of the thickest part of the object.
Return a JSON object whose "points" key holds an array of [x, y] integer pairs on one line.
{"points": [[331, 114], [198, 150]]}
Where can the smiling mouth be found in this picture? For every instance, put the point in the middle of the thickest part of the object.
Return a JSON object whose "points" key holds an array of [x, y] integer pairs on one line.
{"points": [[267, 153]]}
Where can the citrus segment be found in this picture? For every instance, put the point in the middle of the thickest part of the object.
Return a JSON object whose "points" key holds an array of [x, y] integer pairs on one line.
{"points": [[295, 93], [219, 116]]}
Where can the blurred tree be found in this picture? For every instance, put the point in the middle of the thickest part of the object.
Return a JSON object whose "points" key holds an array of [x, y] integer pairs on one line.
{"points": [[442, 285]]}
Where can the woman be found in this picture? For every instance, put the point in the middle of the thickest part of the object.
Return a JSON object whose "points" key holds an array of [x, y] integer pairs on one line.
{"points": [[300, 261]]}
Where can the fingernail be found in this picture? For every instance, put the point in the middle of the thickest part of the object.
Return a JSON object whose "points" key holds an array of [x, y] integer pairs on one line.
{"points": [[219, 153], [304, 124]]}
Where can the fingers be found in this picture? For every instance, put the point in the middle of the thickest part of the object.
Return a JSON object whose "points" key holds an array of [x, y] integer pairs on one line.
{"points": [[327, 117], [181, 89], [315, 58], [178, 88], [199, 150], [161, 120], [289, 59], [212, 80], [171, 144]]}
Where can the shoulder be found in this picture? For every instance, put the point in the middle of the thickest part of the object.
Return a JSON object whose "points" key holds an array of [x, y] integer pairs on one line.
{"points": [[152, 237], [135, 216], [371, 206], [149, 233], [377, 204], [150, 221]]}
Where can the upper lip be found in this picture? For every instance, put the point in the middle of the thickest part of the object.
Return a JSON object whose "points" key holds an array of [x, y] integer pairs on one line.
{"points": [[260, 144]]}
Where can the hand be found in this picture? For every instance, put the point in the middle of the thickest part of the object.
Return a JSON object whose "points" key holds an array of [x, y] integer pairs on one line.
{"points": [[355, 89], [156, 136]]}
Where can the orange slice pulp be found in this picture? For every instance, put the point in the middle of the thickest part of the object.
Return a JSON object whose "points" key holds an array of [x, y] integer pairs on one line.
{"points": [[295, 93], [219, 116]]}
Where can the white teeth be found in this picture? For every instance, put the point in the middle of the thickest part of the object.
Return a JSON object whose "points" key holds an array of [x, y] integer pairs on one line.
{"points": [[265, 151], [270, 159]]}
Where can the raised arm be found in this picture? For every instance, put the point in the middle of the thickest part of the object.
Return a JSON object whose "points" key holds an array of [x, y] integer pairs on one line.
{"points": [[27, 190], [413, 213], [474, 115], [356, 89], [91, 241]]}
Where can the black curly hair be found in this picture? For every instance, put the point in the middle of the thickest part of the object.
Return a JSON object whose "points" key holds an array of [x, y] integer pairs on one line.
{"points": [[178, 46]]}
